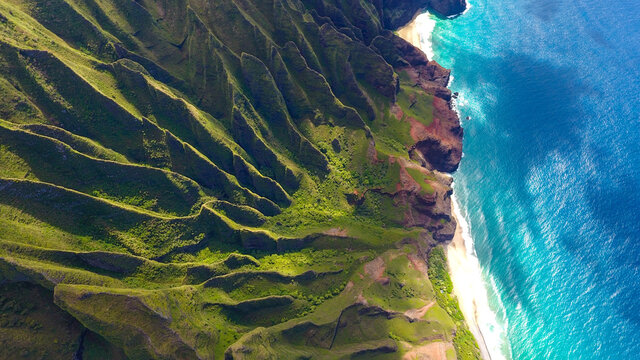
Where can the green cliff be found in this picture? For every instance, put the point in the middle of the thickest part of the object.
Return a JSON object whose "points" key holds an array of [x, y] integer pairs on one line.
{"points": [[241, 179]]}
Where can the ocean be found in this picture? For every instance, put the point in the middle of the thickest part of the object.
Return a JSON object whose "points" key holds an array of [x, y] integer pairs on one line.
{"points": [[549, 185]]}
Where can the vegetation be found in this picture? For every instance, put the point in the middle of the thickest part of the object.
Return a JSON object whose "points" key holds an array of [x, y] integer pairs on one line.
{"points": [[464, 342], [201, 179]]}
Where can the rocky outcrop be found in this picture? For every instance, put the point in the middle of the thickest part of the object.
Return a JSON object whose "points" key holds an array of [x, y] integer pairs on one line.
{"points": [[439, 145], [397, 13], [448, 7]]}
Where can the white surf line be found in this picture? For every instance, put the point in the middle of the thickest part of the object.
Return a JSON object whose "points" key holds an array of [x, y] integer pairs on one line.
{"points": [[470, 289], [419, 33], [464, 266]]}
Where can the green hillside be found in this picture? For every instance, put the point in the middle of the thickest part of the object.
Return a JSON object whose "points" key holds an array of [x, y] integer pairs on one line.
{"points": [[241, 179]]}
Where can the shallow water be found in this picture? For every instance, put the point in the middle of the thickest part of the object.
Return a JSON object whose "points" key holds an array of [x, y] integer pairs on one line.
{"points": [[549, 182]]}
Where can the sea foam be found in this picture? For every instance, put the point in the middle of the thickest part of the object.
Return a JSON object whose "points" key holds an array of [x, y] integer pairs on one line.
{"points": [[425, 24], [419, 33], [470, 287]]}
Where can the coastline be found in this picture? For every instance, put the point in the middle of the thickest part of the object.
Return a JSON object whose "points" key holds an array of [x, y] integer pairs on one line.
{"points": [[418, 33], [463, 269]]}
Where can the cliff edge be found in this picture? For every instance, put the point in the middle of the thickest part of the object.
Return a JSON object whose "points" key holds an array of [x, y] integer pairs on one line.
{"points": [[397, 13], [239, 179]]}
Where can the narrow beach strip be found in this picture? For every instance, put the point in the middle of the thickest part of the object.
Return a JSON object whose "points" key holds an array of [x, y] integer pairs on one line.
{"points": [[470, 290], [469, 285]]}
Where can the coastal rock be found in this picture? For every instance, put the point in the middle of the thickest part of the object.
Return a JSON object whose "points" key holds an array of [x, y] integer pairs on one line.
{"points": [[438, 145], [439, 155], [397, 13], [448, 7]]}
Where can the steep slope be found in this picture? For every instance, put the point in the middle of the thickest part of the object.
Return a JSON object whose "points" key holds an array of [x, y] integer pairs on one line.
{"points": [[233, 178]]}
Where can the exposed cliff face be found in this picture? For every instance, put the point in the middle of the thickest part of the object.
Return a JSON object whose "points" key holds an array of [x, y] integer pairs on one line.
{"points": [[193, 178], [439, 144], [397, 13]]}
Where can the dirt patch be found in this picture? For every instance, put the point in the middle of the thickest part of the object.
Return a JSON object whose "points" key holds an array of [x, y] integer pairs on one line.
{"points": [[418, 131], [417, 263], [375, 269], [336, 232], [397, 111], [431, 351], [349, 286], [418, 314], [361, 300], [372, 153]]}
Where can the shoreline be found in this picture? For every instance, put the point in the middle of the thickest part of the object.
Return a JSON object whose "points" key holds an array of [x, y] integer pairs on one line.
{"points": [[462, 271], [418, 33], [464, 268]]}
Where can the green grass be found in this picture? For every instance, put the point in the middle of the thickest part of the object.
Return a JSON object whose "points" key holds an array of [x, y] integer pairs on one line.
{"points": [[406, 289], [26, 316], [464, 342], [422, 179], [416, 104], [394, 135], [147, 152]]}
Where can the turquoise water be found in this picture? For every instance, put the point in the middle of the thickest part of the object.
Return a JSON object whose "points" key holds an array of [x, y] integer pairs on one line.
{"points": [[549, 181]]}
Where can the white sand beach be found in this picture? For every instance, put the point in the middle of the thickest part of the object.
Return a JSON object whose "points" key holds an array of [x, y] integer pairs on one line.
{"points": [[465, 273], [464, 267], [418, 33]]}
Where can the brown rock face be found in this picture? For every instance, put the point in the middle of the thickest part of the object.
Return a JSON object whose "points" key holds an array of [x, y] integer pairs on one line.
{"points": [[448, 7], [397, 13], [439, 145], [430, 211]]}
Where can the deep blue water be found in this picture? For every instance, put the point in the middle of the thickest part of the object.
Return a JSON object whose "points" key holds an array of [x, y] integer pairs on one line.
{"points": [[549, 182]]}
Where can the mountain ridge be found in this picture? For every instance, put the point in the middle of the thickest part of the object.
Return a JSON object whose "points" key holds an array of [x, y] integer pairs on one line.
{"points": [[188, 178]]}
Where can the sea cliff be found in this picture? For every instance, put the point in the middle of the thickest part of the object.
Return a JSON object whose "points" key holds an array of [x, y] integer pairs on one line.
{"points": [[238, 179]]}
